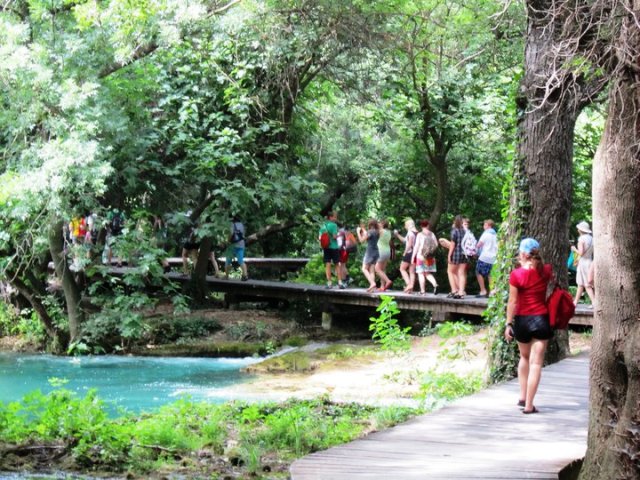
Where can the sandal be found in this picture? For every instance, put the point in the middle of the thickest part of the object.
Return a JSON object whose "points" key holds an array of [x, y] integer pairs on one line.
{"points": [[371, 289], [533, 410], [452, 295], [521, 403]]}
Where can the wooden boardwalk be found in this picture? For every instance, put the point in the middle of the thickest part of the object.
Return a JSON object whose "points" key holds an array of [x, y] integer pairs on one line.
{"points": [[470, 305], [271, 289], [484, 436]]}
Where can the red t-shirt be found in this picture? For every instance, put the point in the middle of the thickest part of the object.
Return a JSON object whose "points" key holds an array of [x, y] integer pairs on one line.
{"points": [[532, 289]]}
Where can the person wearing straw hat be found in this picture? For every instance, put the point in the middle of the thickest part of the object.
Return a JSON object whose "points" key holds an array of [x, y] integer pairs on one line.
{"points": [[585, 250]]}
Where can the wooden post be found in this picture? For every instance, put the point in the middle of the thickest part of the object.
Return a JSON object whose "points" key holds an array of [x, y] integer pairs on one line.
{"points": [[441, 316], [327, 318]]}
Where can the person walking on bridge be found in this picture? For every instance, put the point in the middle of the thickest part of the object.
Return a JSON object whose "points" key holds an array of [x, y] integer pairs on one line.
{"points": [[370, 236], [236, 248], [407, 267], [328, 236], [528, 319]]}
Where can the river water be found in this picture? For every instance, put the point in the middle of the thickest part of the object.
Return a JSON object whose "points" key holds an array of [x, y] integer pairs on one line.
{"points": [[133, 383]]}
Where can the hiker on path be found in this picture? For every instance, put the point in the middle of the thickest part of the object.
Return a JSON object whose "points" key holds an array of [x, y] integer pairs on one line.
{"points": [[424, 257], [488, 248], [585, 250], [407, 267], [384, 249], [330, 250], [528, 319], [370, 236], [457, 261], [236, 248]]}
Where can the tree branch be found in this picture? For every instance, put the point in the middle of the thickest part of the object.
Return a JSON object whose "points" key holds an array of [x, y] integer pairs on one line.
{"points": [[145, 50]]}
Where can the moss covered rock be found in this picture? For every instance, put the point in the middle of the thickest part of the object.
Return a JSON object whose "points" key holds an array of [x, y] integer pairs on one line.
{"points": [[203, 349], [292, 362]]}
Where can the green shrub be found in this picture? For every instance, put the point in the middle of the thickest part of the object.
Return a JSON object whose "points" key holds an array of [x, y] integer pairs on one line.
{"points": [[437, 387], [389, 416], [385, 328], [167, 439]]}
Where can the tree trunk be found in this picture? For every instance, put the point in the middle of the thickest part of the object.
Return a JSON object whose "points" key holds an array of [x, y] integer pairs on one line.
{"points": [[198, 285], [545, 150], [614, 426], [439, 162], [70, 288], [57, 343]]}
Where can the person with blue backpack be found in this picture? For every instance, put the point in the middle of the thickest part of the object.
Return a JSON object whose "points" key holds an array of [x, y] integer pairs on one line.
{"points": [[236, 248]]}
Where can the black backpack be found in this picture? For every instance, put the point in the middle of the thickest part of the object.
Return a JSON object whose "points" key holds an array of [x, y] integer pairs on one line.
{"points": [[237, 235], [117, 222]]}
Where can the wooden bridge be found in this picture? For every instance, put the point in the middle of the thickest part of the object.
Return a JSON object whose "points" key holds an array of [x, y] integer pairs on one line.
{"points": [[262, 289], [484, 436], [284, 264]]}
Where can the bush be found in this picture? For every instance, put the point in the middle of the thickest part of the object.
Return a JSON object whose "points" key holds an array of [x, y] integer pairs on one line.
{"points": [[169, 438], [437, 387], [385, 328]]}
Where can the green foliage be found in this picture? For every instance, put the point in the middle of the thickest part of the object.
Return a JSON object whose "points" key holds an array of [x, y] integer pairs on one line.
{"points": [[447, 330], [24, 323], [438, 386], [454, 344], [170, 437], [503, 355], [385, 328]]}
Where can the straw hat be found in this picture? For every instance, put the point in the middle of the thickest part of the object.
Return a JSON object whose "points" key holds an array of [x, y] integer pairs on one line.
{"points": [[583, 227]]}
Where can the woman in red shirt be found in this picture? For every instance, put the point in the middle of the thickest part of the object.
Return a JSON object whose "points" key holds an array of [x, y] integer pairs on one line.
{"points": [[528, 318]]}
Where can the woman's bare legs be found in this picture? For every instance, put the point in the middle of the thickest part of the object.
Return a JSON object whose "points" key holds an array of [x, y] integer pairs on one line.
{"points": [[462, 279], [380, 270], [369, 274], [530, 370], [579, 292], [404, 271], [421, 281], [452, 273], [432, 280]]}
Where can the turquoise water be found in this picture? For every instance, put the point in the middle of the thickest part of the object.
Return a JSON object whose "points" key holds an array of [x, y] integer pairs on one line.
{"points": [[134, 383]]}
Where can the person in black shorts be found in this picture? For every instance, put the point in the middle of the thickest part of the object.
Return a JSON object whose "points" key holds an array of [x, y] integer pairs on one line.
{"points": [[528, 319], [331, 253]]}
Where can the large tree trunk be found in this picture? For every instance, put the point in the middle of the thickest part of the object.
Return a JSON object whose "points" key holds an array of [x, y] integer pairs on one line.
{"points": [[545, 149], [441, 175], [198, 286], [57, 342], [614, 426], [70, 288]]}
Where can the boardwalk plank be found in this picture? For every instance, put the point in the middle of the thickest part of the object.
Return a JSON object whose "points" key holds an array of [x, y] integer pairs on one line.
{"points": [[484, 436]]}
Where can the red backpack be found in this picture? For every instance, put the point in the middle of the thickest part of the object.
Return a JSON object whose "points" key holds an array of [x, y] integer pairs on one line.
{"points": [[561, 308], [325, 239]]}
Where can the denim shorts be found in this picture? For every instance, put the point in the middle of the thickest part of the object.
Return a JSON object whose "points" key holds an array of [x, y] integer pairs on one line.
{"points": [[483, 268], [238, 253]]}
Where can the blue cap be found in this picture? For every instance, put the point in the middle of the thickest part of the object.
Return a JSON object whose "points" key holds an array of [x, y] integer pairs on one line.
{"points": [[529, 244]]}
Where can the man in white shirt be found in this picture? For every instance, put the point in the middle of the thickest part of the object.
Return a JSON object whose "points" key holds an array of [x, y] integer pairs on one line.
{"points": [[488, 248]]}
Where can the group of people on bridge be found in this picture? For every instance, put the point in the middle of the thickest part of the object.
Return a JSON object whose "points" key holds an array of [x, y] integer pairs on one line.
{"points": [[418, 256], [85, 231], [418, 259]]}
